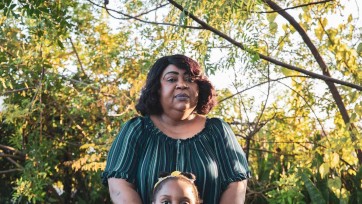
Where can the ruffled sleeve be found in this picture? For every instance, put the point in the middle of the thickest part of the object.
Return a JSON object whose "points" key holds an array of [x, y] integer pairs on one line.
{"points": [[234, 166], [122, 157]]}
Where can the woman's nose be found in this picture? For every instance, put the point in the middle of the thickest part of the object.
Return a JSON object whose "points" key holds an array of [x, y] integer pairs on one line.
{"points": [[181, 84]]}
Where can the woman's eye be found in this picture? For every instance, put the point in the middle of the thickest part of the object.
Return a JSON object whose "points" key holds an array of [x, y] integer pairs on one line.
{"points": [[171, 80], [166, 202], [189, 79]]}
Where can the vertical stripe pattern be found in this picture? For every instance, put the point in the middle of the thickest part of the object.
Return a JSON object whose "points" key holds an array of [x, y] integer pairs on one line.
{"points": [[141, 151]]}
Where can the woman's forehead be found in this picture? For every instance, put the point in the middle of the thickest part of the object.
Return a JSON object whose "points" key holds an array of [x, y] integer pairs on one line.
{"points": [[173, 69]]}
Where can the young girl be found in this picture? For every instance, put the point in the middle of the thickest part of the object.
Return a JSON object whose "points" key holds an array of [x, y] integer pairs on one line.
{"points": [[176, 188]]}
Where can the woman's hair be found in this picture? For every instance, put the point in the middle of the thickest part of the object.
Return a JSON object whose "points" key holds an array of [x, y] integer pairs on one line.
{"points": [[149, 102], [174, 176]]}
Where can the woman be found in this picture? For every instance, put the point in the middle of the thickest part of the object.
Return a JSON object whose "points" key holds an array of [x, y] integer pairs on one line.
{"points": [[174, 134]]}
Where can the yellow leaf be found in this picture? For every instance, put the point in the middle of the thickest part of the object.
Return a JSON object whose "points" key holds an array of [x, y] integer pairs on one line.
{"points": [[285, 27], [324, 22], [86, 146], [350, 18], [3, 82], [319, 33], [351, 172], [334, 160], [324, 170], [339, 55]]}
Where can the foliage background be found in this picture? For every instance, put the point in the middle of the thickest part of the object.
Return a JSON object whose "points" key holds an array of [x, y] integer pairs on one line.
{"points": [[71, 72]]}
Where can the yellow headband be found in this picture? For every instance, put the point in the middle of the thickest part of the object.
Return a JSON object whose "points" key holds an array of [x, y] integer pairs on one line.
{"points": [[173, 174]]}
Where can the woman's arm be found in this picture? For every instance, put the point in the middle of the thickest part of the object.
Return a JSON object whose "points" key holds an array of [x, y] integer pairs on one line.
{"points": [[234, 193], [123, 192]]}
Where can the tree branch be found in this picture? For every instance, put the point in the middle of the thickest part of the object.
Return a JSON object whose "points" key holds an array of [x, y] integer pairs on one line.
{"points": [[11, 156], [264, 57], [15, 90], [10, 171], [138, 19], [8, 148], [15, 163], [272, 152], [7, 52], [305, 100], [78, 58], [294, 7], [246, 89], [151, 10], [332, 87]]}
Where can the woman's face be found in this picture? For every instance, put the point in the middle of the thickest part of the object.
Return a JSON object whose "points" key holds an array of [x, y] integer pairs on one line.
{"points": [[176, 192], [178, 90]]}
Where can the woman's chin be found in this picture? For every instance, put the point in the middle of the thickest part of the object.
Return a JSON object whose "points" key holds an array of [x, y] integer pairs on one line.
{"points": [[186, 107]]}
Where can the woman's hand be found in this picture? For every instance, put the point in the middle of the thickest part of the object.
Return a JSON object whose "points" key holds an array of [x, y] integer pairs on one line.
{"points": [[123, 192], [234, 193]]}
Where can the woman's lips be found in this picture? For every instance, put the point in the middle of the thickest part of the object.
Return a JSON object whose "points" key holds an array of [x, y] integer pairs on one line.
{"points": [[182, 97]]}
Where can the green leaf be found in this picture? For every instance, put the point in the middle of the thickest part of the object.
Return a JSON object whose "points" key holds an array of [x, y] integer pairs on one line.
{"points": [[358, 109], [12, 6], [60, 44], [271, 17], [5, 11], [273, 27], [335, 183], [313, 191], [359, 48], [286, 72]]}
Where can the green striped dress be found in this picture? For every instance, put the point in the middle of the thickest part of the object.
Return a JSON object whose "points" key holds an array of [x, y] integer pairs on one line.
{"points": [[141, 151]]}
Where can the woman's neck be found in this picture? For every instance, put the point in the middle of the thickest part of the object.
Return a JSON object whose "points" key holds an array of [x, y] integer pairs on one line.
{"points": [[176, 119], [179, 128]]}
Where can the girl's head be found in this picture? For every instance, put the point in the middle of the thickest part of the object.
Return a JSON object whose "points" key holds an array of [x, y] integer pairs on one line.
{"points": [[176, 188]]}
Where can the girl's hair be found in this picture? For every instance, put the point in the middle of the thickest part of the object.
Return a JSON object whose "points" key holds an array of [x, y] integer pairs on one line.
{"points": [[174, 176], [149, 101]]}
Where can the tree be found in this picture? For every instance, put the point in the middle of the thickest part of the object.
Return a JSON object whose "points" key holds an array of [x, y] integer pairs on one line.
{"points": [[69, 71]]}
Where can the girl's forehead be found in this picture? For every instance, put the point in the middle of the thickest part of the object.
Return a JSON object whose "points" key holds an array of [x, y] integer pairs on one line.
{"points": [[177, 190], [180, 186], [177, 183]]}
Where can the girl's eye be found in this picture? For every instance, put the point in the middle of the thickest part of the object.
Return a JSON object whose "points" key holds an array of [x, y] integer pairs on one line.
{"points": [[185, 202], [166, 202]]}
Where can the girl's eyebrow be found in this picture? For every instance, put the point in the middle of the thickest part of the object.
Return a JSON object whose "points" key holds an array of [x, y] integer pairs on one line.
{"points": [[186, 199], [164, 196]]}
